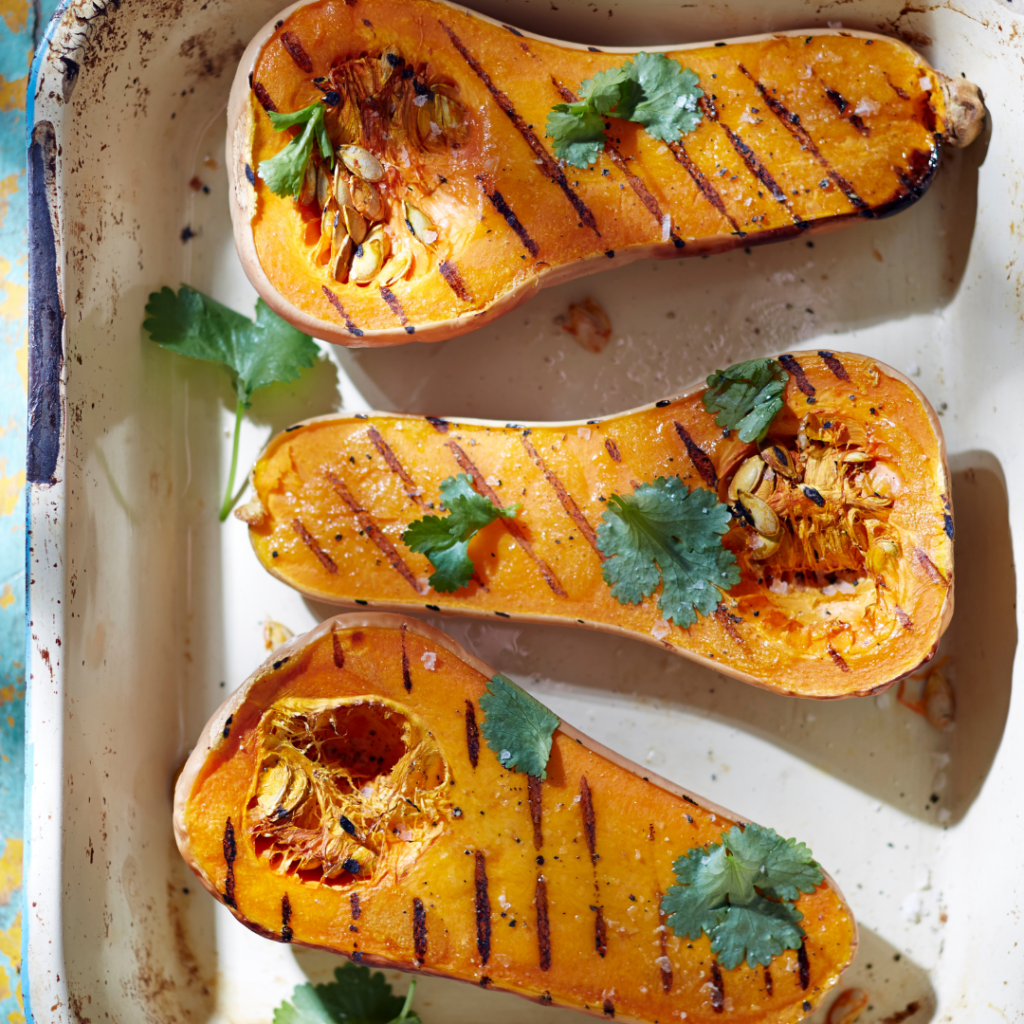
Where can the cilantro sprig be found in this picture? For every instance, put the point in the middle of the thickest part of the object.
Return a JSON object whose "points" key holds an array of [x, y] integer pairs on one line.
{"points": [[445, 539], [517, 727], [255, 354], [354, 997], [667, 533], [652, 90], [741, 893], [284, 171], [746, 397]]}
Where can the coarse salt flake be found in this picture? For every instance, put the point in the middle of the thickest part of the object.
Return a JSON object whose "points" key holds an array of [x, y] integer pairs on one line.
{"points": [[779, 587], [420, 100], [429, 660], [666, 227], [583, 432], [925, 82], [660, 629], [493, 481], [663, 963]]}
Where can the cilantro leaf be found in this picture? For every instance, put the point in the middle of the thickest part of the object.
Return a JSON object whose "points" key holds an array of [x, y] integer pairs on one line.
{"points": [[517, 727], [255, 354], [746, 396], [354, 997], [723, 890], [664, 532], [654, 90], [445, 539], [284, 171], [669, 105]]}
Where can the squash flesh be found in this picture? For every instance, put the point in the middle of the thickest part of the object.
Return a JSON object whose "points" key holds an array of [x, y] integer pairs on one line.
{"points": [[447, 905], [800, 131], [848, 626]]}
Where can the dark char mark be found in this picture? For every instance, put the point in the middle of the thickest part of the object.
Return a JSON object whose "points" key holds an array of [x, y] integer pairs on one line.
{"points": [[406, 678], [310, 541], [336, 303], [700, 458], [472, 734], [837, 658], [451, 274], [337, 650], [511, 525], [791, 122], [841, 104], [499, 203], [835, 366], [726, 622], [717, 989], [790, 365], [609, 1008], [543, 924], [419, 929], [548, 164], [903, 618], [230, 853], [353, 902], [373, 531], [440, 425], [805, 966], [769, 985], [533, 785], [290, 41], [286, 916], [589, 820], [483, 910], [666, 972], [394, 465], [707, 190], [396, 307], [613, 449], [264, 97], [567, 500], [600, 932]]}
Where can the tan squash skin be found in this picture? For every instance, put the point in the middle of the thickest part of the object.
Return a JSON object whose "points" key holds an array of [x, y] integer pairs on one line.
{"points": [[334, 496], [806, 131], [596, 845]]}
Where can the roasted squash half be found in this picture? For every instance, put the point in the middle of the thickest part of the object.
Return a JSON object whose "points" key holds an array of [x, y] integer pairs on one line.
{"points": [[343, 798], [848, 590], [452, 208]]}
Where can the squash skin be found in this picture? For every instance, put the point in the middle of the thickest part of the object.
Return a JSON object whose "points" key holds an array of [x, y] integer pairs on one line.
{"points": [[779, 641], [440, 913], [884, 164]]}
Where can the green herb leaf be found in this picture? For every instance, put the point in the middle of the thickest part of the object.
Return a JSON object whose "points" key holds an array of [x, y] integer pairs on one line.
{"points": [[354, 997], [517, 727], [445, 539], [746, 396], [255, 354], [722, 891], [653, 90], [666, 533], [284, 171]]}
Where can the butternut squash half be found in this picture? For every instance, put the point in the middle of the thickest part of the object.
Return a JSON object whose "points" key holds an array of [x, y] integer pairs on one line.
{"points": [[846, 589], [345, 797], [446, 206]]}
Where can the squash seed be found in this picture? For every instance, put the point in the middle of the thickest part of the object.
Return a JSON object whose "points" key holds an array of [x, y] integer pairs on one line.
{"points": [[281, 789], [420, 225], [367, 261], [747, 477], [763, 516], [366, 199], [341, 258], [362, 163], [764, 547], [881, 553], [308, 192], [355, 225], [323, 187], [780, 460], [341, 191], [399, 267]]}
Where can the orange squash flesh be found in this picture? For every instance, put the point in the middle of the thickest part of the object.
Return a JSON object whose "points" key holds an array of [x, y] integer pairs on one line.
{"points": [[801, 131], [856, 596], [547, 889]]}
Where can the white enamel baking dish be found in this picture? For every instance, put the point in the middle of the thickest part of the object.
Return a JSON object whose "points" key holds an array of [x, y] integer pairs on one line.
{"points": [[145, 611]]}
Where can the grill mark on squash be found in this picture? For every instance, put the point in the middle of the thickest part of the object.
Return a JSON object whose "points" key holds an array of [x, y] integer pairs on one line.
{"points": [[396, 467], [567, 500], [533, 786], [643, 193], [336, 303], [286, 916], [790, 365], [903, 618], [353, 902], [589, 819], [396, 307], [833, 363], [230, 853], [609, 1008], [791, 122], [725, 621], [373, 531], [613, 450], [769, 985], [406, 677], [468, 466], [264, 97], [837, 658], [451, 274], [703, 183], [666, 972], [805, 966], [600, 931], [310, 541], [548, 165], [717, 988], [290, 41], [419, 929], [841, 103], [934, 573], [543, 925], [337, 651], [483, 909], [440, 425], [472, 734], [500, 204], [700, 458]]}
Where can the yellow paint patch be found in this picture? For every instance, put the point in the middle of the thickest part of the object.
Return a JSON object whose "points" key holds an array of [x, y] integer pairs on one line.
{"points": [[10, 871], [13, 295], [10, 489], [21, 361], [8, 186], [7, 596], [10, 942], [12, 94], [15, 14]]}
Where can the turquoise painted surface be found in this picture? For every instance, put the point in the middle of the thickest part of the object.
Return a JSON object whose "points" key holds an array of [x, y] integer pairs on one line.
{"points": [[21, 24]]}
